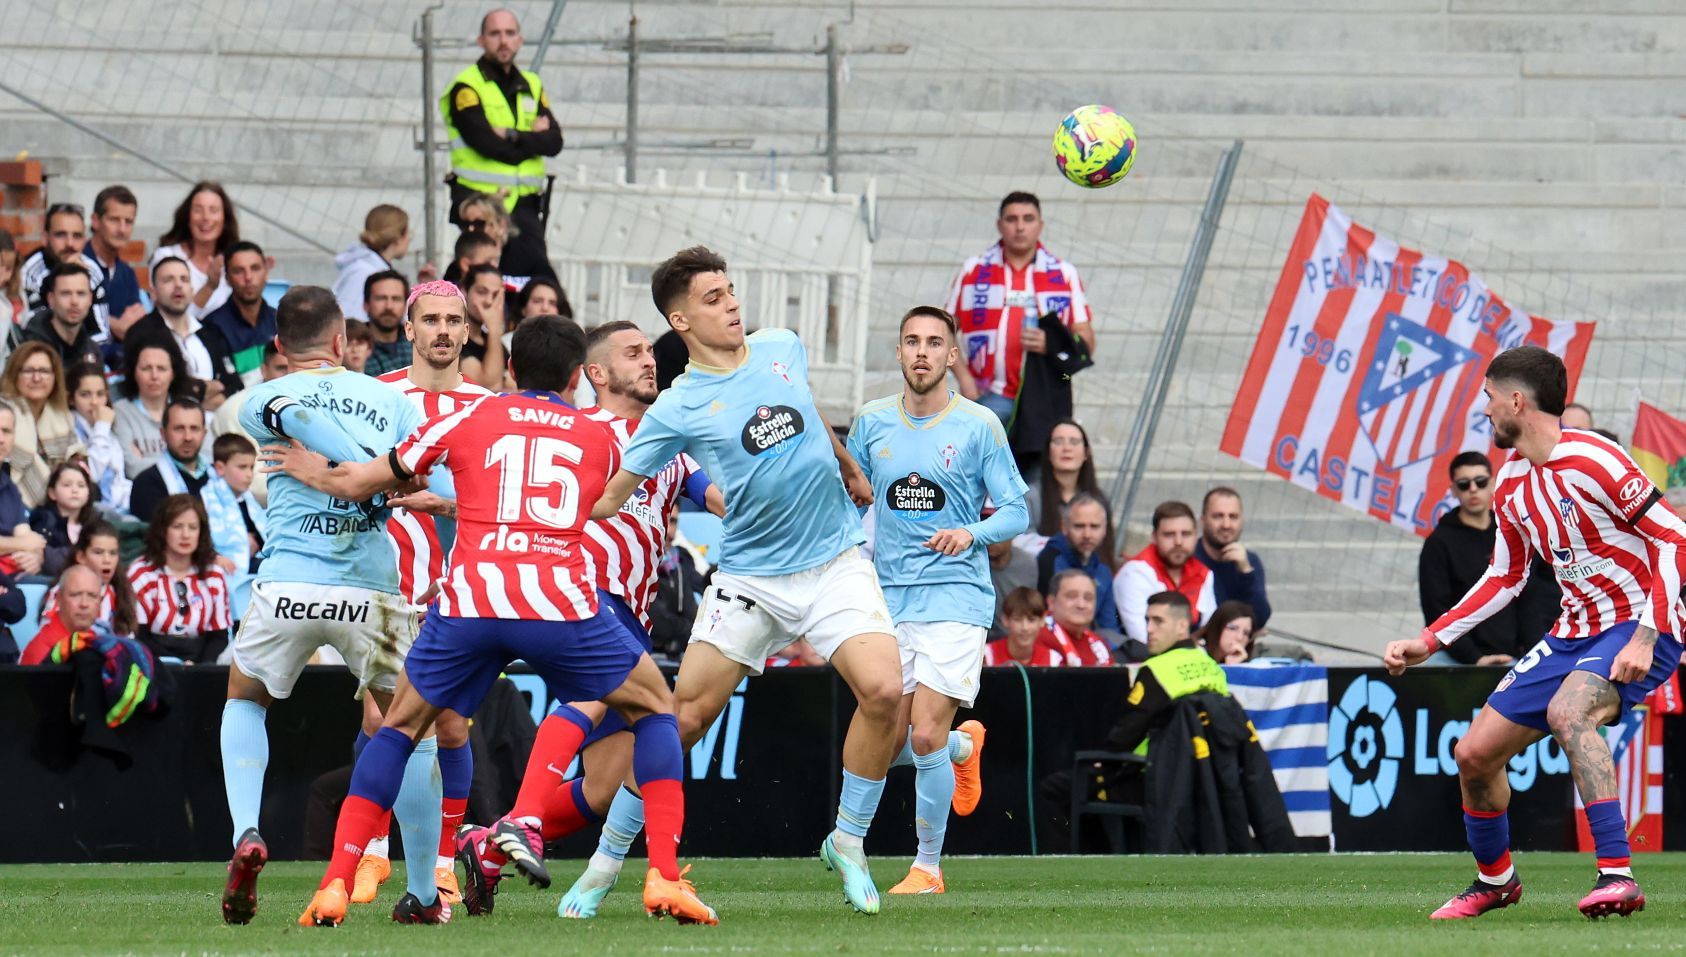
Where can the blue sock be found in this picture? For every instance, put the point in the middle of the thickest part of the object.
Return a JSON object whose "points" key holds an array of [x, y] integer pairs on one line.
{"points": [[625, 820], [904, 757], [245, 757], [417, 814], [380, 770], [456, 771], [857, 804], [933, 789], [574, 716], [1609, 836], [1489, 840], [576, 791], [656, 755], [359, 744]]}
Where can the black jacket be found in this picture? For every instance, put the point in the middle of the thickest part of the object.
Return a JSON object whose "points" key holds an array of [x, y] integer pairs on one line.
{"points": [[83, 350], [1453, 558], [1224, 801], [674, 609], [152, 330], [1045, 389], [149, 488]]}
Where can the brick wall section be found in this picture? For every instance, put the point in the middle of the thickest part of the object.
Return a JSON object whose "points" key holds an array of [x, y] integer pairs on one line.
{"points": [[23, 201]]}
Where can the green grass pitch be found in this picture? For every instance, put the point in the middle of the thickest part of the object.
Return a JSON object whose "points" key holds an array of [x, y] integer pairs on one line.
{"points": [[1306, 906]]}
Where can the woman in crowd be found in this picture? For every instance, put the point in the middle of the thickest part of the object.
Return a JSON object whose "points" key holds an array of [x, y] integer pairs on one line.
{"points": [[69, 508], [203, 230], [151, 375], [542, 297], [46, 435], [97, 548], [181, 596], [384, 241], [1228, 635], [11, 291], [94, 416], [1068, 467]]}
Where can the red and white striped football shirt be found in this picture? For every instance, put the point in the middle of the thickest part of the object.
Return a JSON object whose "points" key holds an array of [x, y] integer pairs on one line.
{"points": [[627, 549], [421, 557], [528, 469], [1589, 511], [184, 607]]}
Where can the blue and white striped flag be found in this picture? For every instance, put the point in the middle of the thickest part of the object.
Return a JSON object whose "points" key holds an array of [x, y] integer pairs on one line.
{"points": [[1289, 706]]}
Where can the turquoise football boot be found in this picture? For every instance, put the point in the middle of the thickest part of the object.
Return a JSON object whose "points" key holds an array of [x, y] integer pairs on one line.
{"points": [[858, 888]]}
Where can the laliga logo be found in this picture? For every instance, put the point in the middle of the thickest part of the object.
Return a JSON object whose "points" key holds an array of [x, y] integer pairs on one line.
{"points": [[1366, 746]]}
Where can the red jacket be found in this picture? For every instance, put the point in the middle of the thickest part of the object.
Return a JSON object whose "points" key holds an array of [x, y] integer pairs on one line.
{"points": [[996, 654], [1087, 650]]}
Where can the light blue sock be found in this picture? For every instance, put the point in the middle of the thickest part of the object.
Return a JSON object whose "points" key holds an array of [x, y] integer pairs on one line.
{"points": [[417, 812], [245, 757], [624, 821], [957, 746], [904, 757], [933, 789], [858, 803]]}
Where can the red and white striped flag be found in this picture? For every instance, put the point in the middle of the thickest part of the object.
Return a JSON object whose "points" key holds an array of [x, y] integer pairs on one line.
{"points": [[1366, 377]]}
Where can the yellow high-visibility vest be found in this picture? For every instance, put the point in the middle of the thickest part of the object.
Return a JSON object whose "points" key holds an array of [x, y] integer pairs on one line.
{"points": [[481, 172]]}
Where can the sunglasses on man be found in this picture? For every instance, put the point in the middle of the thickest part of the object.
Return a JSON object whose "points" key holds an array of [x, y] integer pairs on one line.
{"points": [[1480, 481]]}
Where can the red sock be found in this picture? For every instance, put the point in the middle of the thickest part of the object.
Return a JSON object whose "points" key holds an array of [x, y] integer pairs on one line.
{"points": [[664, 822], [453, 810], [358, 821], [385, 828], [562, 815], [554, 748]]}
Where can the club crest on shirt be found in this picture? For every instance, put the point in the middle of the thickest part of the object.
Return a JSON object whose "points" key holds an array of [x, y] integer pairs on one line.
{"points": [[949, 453], [770, 427], [1566, 507], [917, 496], [781, 370]]}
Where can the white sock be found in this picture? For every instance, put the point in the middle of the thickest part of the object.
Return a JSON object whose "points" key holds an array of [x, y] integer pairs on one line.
{"points": [[443, 863], [1618, 871], [604, 863], [934, 870], [845, 841], [1497, 880], [376, 848]]}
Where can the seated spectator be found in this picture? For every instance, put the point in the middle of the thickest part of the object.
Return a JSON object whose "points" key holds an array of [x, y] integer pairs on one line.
{"points": [[483, 358], [359, 343], [1084, 543], [11, 601], [237, 520], [45, 433], [227, 420], [679, 586], [70, 621], [152, 376], [98, 548], [521, 257], [1237, 574], [384, 241], [201, 233], [543, 297], [181, 470], [173, 325], [1010, 566], [1166, 564], [1228, 633], [1455, 556], [66, 241], [473, 248], [384, 294], [111, 227], [93, 417], [60, 519], [246, 322], [1576, 416], [181, 596], [1022, 614], [1071, 616], [66, 324], [21, 549], [11, 294], [1068, 467]]}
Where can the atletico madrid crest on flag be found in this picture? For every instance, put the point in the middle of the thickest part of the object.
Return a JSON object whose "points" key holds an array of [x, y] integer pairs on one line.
{"points": [[1365, 380]]}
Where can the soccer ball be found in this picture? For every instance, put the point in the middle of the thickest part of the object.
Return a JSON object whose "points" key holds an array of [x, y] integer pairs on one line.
{"points": [[1094, 146]]}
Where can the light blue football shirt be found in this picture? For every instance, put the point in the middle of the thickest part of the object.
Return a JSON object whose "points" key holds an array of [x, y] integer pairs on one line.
{"points": [[313, 537], [927, 475], [756, 432]]}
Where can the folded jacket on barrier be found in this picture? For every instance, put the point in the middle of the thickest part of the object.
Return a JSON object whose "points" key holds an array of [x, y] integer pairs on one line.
{"points": [[1209, 785]]}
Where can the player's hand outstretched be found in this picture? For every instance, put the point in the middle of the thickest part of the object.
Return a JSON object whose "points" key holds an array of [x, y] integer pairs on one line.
{"points": [[950, 541], [1403, 654]]}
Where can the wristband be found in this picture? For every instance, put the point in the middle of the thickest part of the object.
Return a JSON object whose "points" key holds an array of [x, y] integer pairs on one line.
{"points": [[1434, 644]]}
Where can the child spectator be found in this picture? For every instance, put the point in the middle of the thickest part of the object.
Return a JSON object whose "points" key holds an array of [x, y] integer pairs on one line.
{"points": [[94, 417], [97, 548], [180, 593], [359, 343], [1022, 614], [60, 519], [237, 520]]}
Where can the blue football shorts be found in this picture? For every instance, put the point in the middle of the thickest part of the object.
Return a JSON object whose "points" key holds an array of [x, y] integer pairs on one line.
{"points": [[1525, 692]]}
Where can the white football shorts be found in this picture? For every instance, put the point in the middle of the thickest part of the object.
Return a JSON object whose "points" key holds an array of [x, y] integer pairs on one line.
{"points": [[945, 656], [288, 621]]}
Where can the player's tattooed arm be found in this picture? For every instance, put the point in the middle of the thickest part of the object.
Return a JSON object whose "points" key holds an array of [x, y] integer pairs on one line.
{"points": [[1577, 714], [351, 481], [428, 503], [1633, 662]]}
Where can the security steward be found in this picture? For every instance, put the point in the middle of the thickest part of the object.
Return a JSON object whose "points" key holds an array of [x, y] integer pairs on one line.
{"points": [[500, 127], [1175, 668]]}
